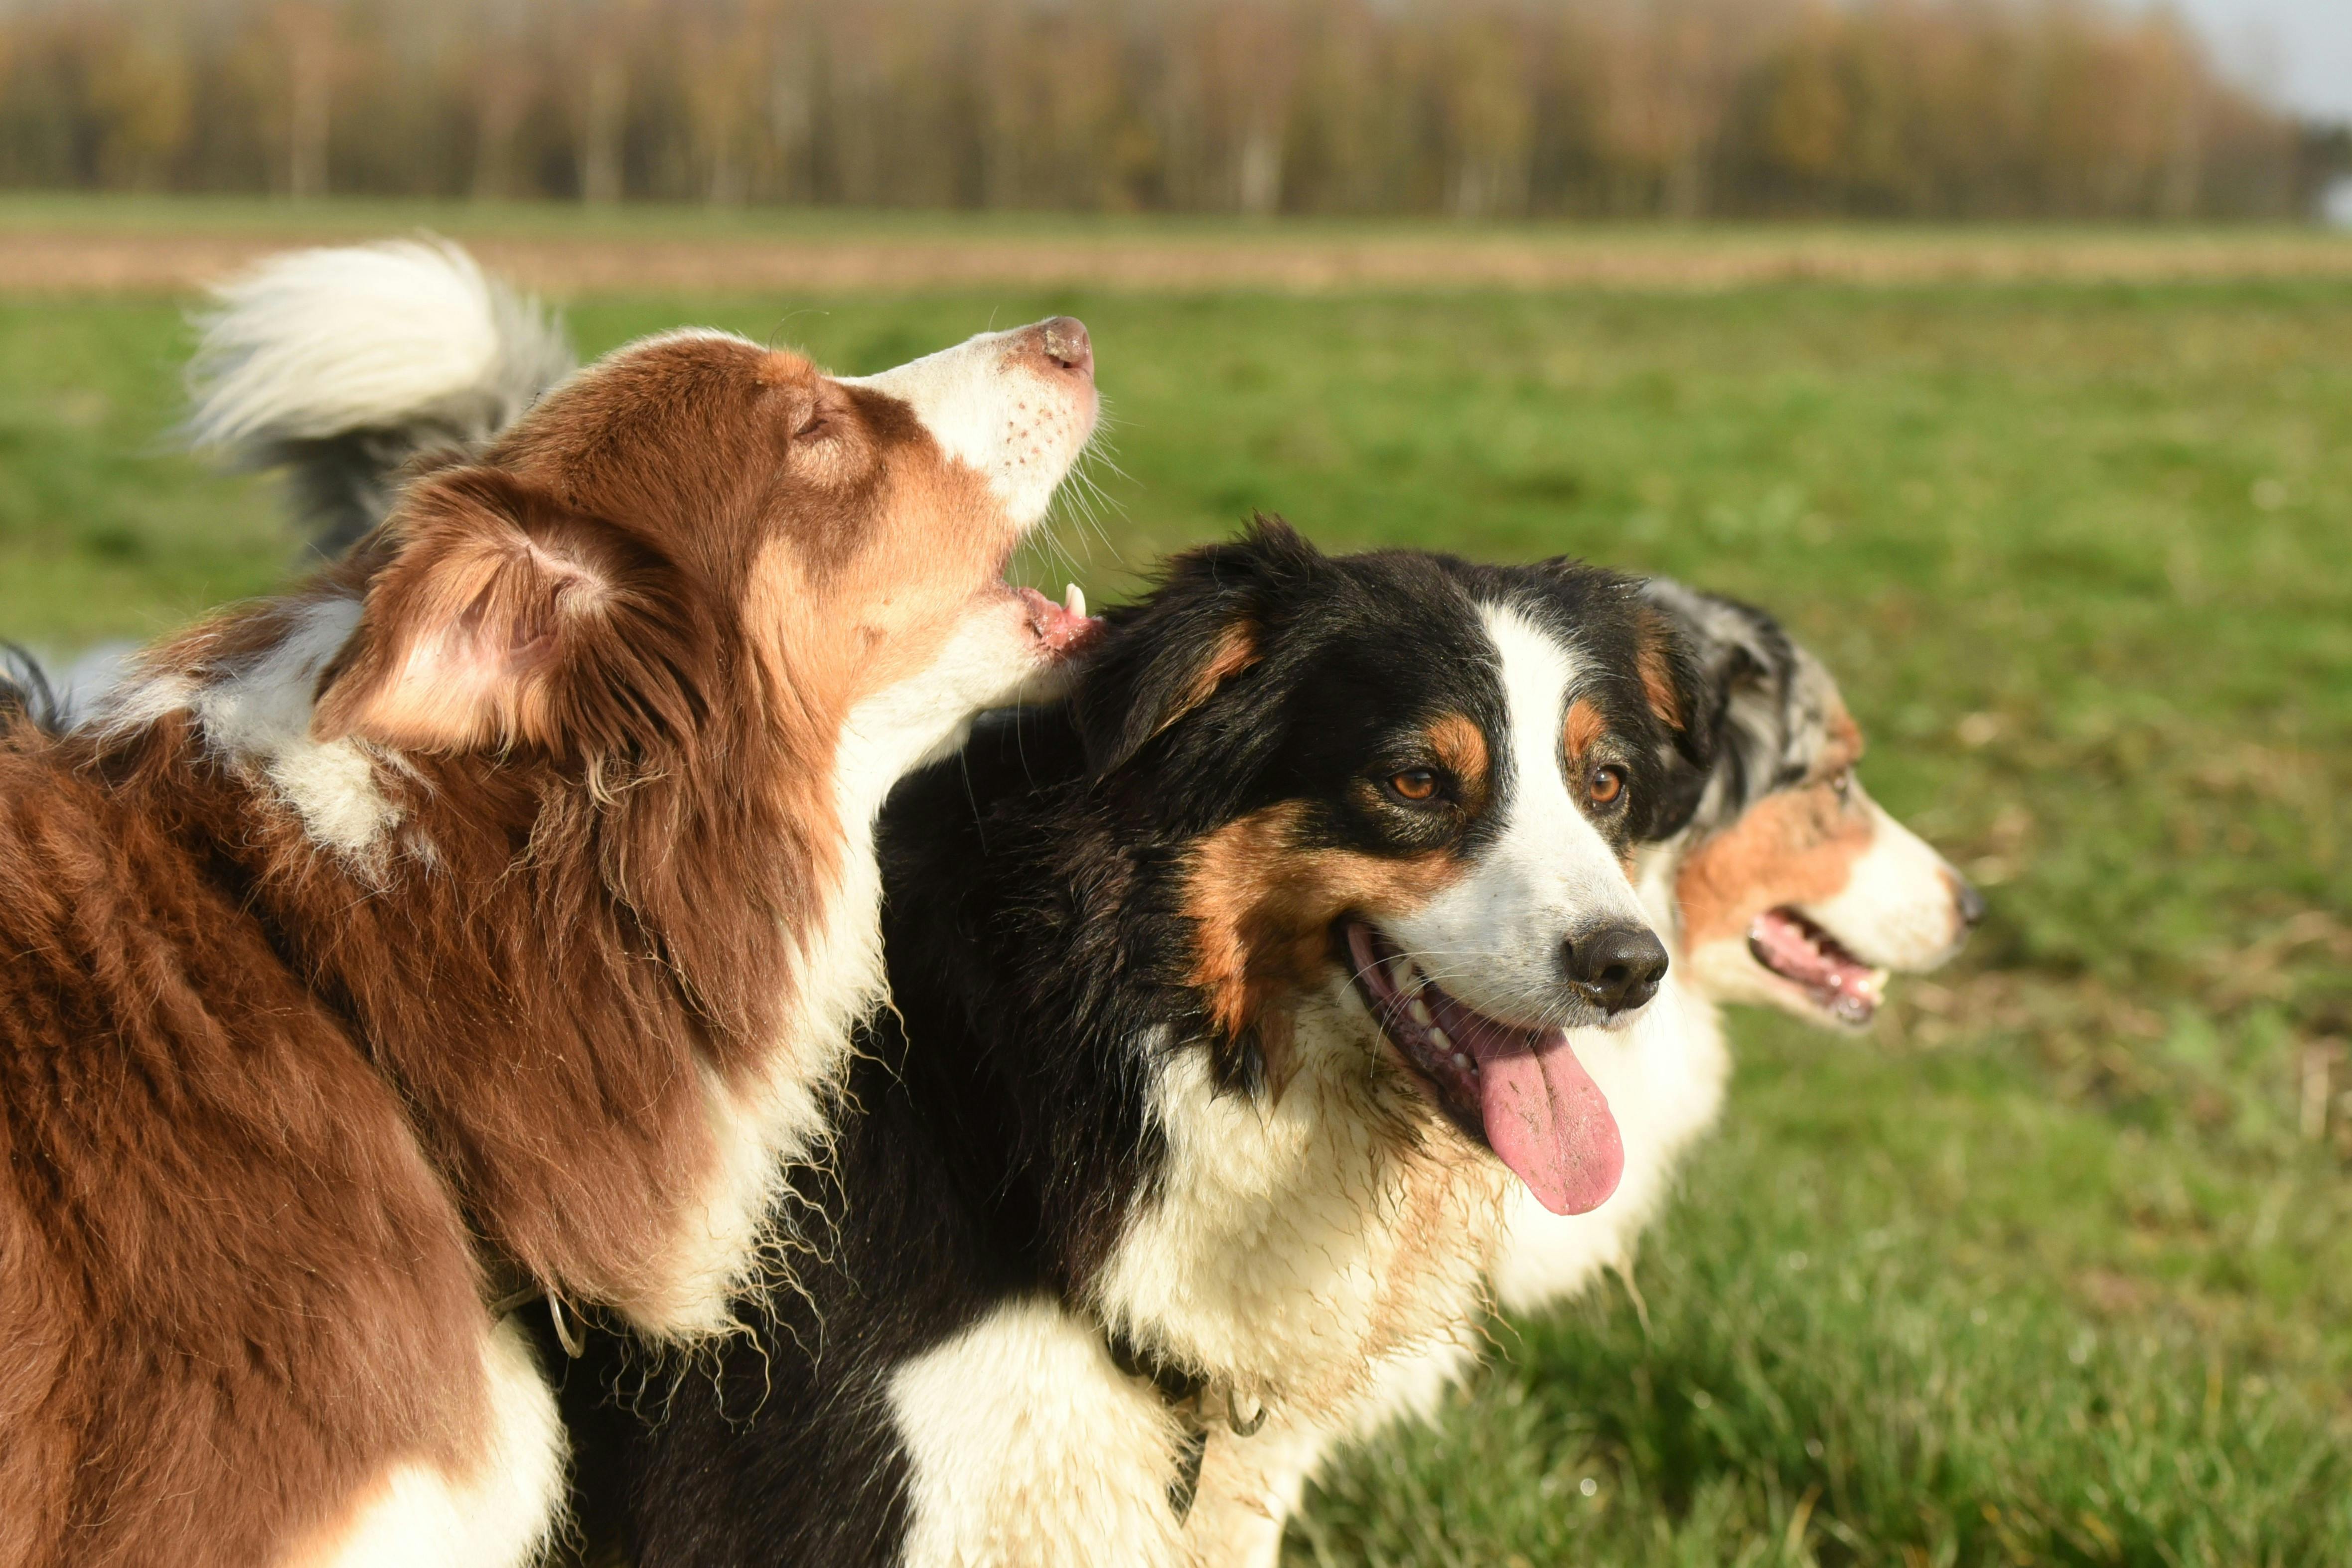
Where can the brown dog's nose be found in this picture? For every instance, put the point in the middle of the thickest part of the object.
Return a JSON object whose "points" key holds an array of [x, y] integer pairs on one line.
{"points": [[1066, 343], [1969, 901]]}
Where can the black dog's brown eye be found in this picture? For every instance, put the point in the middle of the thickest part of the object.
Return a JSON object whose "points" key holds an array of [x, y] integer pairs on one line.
{"points": [[1605, 785], [1414, 784]]}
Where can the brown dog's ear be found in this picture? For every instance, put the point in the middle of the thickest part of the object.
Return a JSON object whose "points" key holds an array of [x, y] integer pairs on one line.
{"points": [[499, 610]]}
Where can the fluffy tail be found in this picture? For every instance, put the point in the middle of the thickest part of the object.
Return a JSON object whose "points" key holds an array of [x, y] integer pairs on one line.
{"points": [[341, 365]]}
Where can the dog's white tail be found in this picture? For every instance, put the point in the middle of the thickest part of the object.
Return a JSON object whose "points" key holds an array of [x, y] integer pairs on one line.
{"points": [[340, 365]]}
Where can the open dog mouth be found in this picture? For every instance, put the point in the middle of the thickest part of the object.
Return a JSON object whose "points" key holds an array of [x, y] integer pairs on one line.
{"points": [[1519, 1090], [1063, 629], [1810, 958]]}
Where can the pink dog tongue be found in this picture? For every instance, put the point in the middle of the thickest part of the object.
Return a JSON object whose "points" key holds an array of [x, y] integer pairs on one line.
{"points": [[1551, 1123]]}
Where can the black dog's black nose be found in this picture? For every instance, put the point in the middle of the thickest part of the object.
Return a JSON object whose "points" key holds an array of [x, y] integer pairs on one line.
{"points": [[1617, 967]]}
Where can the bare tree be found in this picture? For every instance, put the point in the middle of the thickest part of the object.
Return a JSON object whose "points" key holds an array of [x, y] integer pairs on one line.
{"points": [[306, 30], [1482, 108]]}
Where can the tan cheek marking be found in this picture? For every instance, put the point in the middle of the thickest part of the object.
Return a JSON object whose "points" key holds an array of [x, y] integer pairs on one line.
{"points": [[1263, 907], [1796, 846], [799, 648], [1585, 726], [1462, 746]]}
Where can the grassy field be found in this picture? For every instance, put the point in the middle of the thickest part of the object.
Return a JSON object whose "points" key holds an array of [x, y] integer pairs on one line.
{"points": [[2056, 1266]]}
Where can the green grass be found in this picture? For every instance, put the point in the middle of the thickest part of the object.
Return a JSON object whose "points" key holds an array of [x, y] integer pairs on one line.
{"points": [[2056, 1267]]}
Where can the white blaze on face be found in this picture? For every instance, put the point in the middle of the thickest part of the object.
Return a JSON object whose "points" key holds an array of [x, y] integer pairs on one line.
{"points": [[1899, 908], [1492, 939], [991, 402]]}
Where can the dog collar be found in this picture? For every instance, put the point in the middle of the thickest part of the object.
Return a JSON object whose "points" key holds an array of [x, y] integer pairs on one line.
{"points": [[1185, 1392]]}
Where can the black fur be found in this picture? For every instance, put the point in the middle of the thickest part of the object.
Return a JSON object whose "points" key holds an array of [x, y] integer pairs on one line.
{"points": [[340, 486], [1769, 701], [995, 1132], [27, 696]]}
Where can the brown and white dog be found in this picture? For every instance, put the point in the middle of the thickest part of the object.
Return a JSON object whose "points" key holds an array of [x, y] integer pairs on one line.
{"points": [[492, 911], [1789, 887]]}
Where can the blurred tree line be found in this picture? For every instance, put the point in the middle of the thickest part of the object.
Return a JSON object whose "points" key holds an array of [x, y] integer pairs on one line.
{"points": [[2006, 108]]}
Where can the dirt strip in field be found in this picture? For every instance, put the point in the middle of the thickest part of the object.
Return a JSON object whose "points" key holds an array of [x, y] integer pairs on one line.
{"points": [[63, 263]]}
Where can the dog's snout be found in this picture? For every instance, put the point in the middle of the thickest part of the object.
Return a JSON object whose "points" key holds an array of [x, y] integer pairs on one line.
{"points": [[1065, 346], [1967, 900], [1617, 967]]}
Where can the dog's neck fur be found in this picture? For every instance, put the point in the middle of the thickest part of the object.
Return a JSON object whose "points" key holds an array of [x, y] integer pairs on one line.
{"points": [[563, 967], [1288, 1244]]}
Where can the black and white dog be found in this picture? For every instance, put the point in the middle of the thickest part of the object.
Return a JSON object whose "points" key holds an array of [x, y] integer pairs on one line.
{"points": [[1789, 887], [1234, 995]]}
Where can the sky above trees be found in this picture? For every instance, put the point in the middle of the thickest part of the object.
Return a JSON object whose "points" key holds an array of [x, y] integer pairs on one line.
{"points": [[2298, 51]]}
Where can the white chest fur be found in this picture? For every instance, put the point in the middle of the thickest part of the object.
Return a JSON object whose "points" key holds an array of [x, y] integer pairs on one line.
{"points": [[1287, 1247]]}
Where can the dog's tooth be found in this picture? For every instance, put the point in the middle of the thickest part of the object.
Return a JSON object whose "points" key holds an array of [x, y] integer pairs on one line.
{"points": [[1074, 600], [1463, 1062], [1401, 975], [1420, 1011], [1438, 1038]]}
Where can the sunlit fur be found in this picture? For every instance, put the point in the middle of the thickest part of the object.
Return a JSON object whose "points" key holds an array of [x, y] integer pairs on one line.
{"points": [[1771, 828], [340, 366], [491, 910], [1129, 1094]]}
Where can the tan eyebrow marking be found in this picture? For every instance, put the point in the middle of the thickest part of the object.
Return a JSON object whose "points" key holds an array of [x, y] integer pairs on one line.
{"points": [[1842, 746], [1584, 726], [1462, 746]]}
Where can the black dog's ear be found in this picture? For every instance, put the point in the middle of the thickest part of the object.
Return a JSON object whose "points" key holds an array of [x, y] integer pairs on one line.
{"points": [[1688, 708], [1205, 623], [1720, 650]]}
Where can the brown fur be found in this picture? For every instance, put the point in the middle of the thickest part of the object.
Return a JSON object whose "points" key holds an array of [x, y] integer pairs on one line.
{"points": [[1584, 726], [1794, 846], [1236, 651], [258, 1097], [230, 1286], [1263, 903], [1654, 658], [1461, 745], [1844, 745]]}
